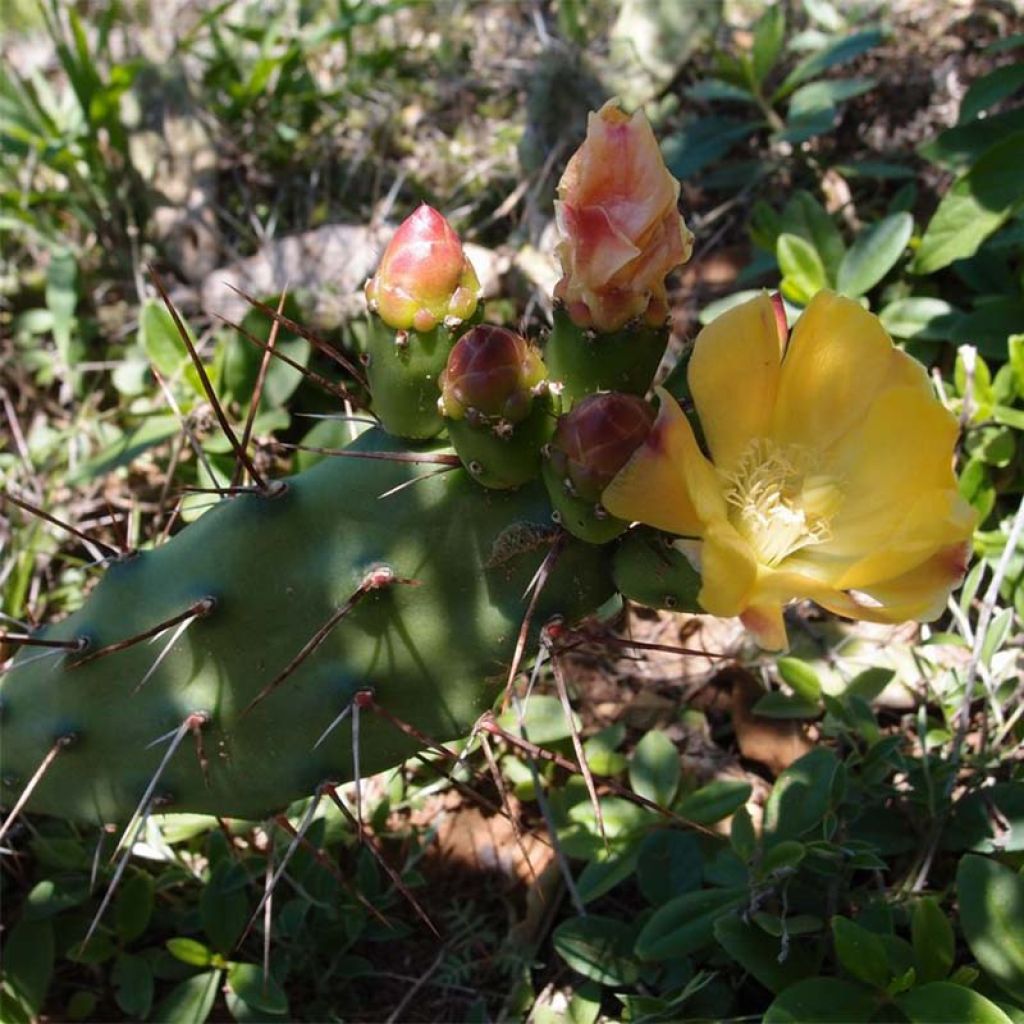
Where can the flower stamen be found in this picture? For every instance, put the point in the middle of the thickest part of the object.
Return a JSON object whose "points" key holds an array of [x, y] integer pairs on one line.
{"points": [[777, 502]]}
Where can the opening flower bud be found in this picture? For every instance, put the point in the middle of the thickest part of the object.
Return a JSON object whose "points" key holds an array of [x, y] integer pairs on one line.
{"points": [[424, 277], [493, 374], [596, 439], [621, 230]]}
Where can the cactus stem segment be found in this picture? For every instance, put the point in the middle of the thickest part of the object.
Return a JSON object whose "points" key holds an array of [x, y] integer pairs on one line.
{"points": [[577, 743], [240, 453], [50, 518], [304, 332], [322, 382], [197, 610], [257, 391], [376, 579], [367, 840], [59, 744]]}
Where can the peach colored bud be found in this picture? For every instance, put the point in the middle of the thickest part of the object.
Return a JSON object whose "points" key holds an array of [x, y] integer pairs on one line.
{"points": [[621, 231], [492, 373], [424, 276], [596, 438]]}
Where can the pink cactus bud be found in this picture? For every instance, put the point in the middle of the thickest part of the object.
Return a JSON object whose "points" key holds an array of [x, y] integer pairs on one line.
{"points": [[596, 439], [424, 277], [621, 230], [493, 374]]}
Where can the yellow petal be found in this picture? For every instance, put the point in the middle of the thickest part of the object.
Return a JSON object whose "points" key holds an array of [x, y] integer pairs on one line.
{"points": [[765, 621], [734, 377], [935, 520], [837, 359], [903, 450], [667, 483], [728, 571]]}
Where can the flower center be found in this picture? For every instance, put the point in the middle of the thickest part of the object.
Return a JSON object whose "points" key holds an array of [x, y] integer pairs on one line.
{"points": [[777, 501]]}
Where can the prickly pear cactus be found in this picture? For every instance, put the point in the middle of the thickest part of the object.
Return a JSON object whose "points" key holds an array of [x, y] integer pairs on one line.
{"points": [[380, 601], [431, 640]]}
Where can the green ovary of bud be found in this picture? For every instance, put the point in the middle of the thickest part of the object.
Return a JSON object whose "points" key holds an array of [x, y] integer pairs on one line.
{"points": [[424, 278], [493, 376], [596, 439]]}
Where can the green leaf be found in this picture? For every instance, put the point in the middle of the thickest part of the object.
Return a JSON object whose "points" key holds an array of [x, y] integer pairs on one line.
{"points": [[869, 684], [762, 955], [974, 823], [802, 679], [822, 1001], [134, 907], [991, 899], [860, 952], [713, 802], [933, 940], [718, 89], [803, 271], [921, 318], [803, 215], [703, 141], [191, 1001], [842, 50], [248, 983], [160, 339], [977, 205], [787, 854], [28, 963], [654, 768], [769, 33], [874, 254], [942, 1002], [685, 923], [742, 837], [990, 89], [62, 298], [800, 797], [606, 871], [780, 705], [598, 948], [812, 108], [224, 905], [132, 978], [189, 951], [958, 147], [670, 864], [545, 720]]}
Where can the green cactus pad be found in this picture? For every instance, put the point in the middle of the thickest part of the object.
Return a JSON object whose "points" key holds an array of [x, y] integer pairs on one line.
{"points": [[585, 362], [579, 516], [403, 368], [435, 653], [504, 461], [648, 569]]}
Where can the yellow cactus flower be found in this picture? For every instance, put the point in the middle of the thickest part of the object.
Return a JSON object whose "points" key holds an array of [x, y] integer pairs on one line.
{"points": [[621, 230], [830, 474]]}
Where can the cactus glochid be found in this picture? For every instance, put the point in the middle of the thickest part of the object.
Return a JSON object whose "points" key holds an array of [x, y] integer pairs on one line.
{"points": [[296, 602]]}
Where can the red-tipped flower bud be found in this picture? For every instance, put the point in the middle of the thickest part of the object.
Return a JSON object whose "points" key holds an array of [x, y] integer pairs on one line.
{"points": [[424, 277], [621, 231], [596, 439], [493, 374]]}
